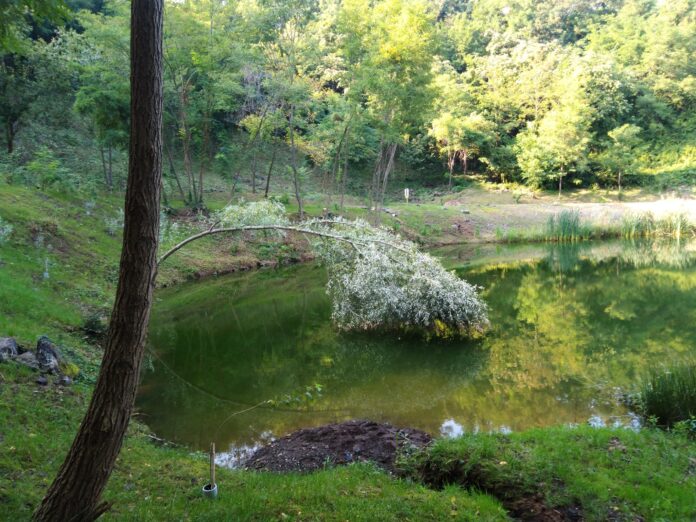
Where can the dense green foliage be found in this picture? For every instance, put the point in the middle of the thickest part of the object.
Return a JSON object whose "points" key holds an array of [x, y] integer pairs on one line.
{"points": [[544, 93]]}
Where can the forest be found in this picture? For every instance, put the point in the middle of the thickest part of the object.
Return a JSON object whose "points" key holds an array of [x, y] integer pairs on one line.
{"points": [[348, 260], [351, 94]]}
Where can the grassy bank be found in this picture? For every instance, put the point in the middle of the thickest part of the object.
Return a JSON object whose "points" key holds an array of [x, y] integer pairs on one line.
{"points": [[58, 272], [568, 226], [604, 474]]}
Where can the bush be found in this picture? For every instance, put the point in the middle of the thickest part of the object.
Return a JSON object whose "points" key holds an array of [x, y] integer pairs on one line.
{"points": [[669, 397], [5, 231]]}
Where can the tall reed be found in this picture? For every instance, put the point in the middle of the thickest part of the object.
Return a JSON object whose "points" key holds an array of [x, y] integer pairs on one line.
{"points": [[673, 226], [566, 227], [670, 396]]}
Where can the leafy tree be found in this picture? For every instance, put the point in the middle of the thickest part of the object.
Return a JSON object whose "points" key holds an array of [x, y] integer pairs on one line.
{"points": [[104, 95], [620, 157], [15, 15], [554, 147]]}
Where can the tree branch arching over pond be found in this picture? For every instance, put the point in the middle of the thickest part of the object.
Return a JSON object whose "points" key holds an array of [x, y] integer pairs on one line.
{"points": [[377, 280]]}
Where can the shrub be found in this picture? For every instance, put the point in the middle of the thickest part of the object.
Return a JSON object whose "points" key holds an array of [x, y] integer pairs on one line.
{"points": [[669, 397], [46, 172], [5, 231]]}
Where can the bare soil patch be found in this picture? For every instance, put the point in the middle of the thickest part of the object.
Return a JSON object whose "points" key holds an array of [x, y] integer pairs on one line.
{"points": [[335, 444]]}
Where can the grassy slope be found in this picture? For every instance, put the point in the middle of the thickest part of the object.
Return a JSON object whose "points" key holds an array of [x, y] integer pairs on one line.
{"points": [[152, 482], [613, 474]]}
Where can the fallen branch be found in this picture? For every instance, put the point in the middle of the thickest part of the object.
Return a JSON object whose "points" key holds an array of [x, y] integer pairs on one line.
{"points": [[285, 228]]}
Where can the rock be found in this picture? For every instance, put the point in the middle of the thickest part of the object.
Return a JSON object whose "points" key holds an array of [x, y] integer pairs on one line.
{"points": [[41, 380], [64, 381], [28, 359], [47, 355], [8, 348]]}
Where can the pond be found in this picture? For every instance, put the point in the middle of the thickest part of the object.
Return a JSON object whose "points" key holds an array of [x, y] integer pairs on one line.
{"points": [[573, 328]]}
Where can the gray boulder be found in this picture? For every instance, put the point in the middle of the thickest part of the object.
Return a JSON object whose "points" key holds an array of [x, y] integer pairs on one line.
{"points": [[47, 355], [8, 349], [28, 359]]}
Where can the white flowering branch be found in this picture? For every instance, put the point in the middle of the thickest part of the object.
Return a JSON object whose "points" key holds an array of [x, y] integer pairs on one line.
{"points": [[254, 228], [377, 280]]}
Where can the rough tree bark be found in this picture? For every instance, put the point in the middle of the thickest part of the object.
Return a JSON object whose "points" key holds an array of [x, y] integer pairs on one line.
{"points": [[75, 493]]}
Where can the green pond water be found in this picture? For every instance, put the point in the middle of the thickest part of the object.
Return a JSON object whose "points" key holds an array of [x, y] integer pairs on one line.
{"points": [[572, 329]]}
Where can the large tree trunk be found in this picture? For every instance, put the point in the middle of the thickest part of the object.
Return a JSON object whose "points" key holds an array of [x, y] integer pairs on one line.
{"points": [[75, 493]]}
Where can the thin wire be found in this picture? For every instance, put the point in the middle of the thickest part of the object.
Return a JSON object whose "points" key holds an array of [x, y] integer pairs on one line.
{"points": [[222, 399]]}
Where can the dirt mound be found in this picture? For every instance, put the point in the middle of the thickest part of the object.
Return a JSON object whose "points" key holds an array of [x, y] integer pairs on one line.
{"points": [[334, 444]]}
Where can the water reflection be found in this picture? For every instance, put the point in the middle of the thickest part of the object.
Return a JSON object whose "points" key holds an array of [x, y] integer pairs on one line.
{"points": [[573, 326]]}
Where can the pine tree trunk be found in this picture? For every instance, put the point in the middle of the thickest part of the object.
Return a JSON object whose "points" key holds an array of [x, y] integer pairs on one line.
{"points": [[75, 493]]}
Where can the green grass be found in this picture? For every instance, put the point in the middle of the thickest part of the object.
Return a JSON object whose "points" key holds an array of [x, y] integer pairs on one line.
{"points": [[653, 475], [615, 474], [163, 483], [669, 396]]}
